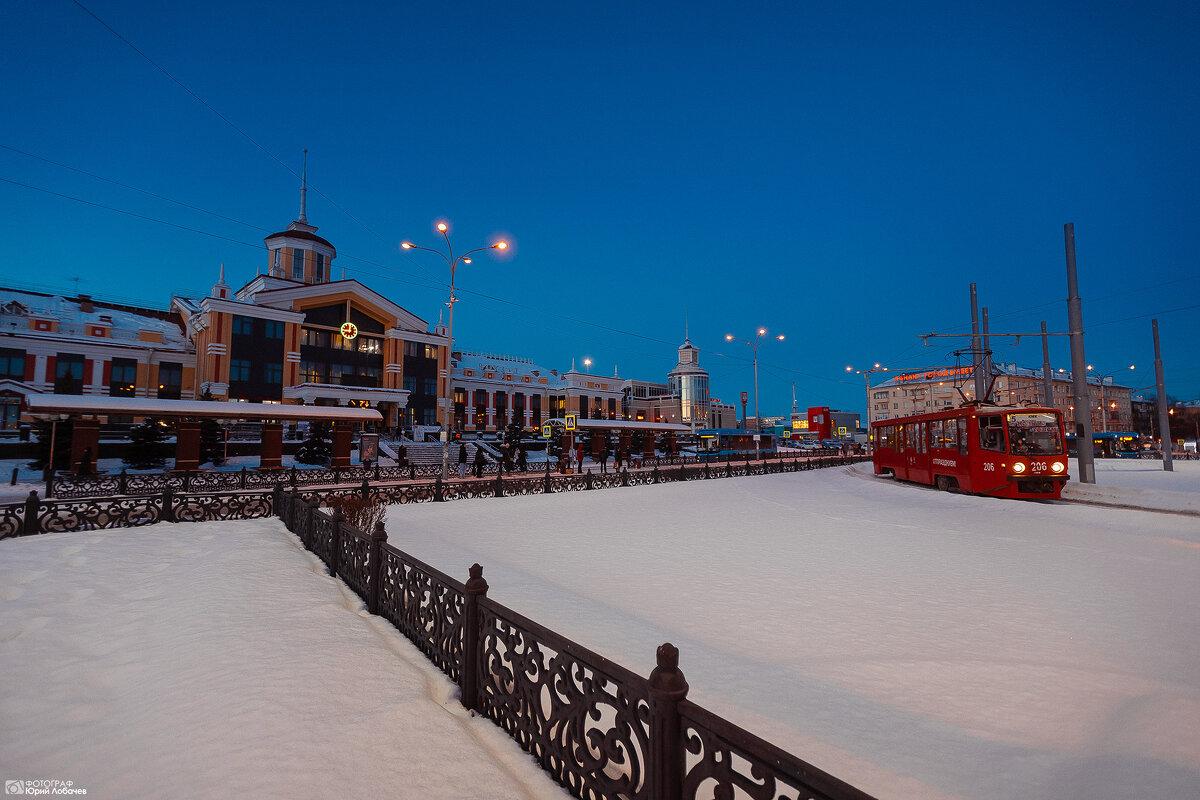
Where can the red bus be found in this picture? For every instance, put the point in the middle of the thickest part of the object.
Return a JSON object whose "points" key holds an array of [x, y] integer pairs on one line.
{"points": [[989, 450]]}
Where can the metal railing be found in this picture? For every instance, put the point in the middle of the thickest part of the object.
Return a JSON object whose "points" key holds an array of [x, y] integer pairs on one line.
{"points": [[599, 729]]}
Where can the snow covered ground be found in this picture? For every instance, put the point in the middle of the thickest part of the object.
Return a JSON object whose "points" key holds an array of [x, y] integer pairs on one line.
{"points": [[917, 644], [219, 660]]}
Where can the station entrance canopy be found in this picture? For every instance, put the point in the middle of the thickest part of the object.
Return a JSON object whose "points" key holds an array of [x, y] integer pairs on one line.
{"points": [[46, 406]]}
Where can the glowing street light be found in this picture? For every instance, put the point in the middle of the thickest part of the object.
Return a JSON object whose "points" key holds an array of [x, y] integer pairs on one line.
{"points": [[754, 345], [866, 373], [453, 261]]}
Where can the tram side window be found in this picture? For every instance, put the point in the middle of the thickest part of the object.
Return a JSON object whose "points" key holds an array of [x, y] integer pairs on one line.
{"points": [[991, 433], [962, 436], [910, 436], [936, 432], [922, 438]]}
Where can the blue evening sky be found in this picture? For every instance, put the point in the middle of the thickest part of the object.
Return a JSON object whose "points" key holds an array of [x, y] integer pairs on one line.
{"points": [[839, 173]]}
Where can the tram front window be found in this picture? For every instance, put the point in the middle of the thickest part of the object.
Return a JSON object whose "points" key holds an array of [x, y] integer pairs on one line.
{"points": [[1127, 444], [1034, 435]]}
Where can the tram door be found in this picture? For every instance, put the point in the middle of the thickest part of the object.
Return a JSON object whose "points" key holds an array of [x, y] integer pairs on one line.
{"points": [[917, 452]]}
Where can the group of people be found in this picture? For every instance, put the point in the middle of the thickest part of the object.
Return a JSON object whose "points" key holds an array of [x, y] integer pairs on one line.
{"points": [[518, 462]]}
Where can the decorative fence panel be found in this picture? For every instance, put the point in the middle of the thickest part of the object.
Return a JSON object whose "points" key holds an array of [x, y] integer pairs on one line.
{"points": [[600, 730]]}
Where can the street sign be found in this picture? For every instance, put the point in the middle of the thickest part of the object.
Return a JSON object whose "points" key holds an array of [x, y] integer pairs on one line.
{"points": [[547, 431], [571, 421], [841, 431], [786, 434], [757, 437]]}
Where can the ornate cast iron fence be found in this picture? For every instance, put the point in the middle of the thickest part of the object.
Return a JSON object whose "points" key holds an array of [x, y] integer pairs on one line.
{"points": [[152, 483], [600, 730], [35, 515]]}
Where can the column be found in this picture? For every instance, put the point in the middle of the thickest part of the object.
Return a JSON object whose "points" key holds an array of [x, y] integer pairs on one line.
{"points": [[341, 445], [85, 444], [187, 445], [271, 453]]}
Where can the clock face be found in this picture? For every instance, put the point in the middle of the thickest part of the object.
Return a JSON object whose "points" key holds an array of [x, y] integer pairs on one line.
{"points": [[349, 330]]}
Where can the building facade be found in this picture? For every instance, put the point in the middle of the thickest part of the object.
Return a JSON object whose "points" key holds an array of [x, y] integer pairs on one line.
{"points": [[931, 390]]}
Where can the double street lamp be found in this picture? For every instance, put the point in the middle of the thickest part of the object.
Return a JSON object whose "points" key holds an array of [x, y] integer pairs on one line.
{"points": [[1103, 404], [866, 373], [453, 261], [754, 345]]}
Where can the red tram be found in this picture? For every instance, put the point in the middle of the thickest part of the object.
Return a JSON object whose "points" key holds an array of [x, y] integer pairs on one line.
{"points": [[989, 450]]}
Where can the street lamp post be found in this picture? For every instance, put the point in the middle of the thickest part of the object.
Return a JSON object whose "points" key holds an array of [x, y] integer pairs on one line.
{"points": [[453, 261], [1103, 410], [866, 373], [754, 345]]}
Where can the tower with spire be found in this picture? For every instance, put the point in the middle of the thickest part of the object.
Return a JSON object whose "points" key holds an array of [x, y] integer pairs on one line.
{"points": [[297, 253], [689, 382]]}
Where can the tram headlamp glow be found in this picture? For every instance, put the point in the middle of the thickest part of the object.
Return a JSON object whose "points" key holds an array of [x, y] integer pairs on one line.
{"points": [[1058, 466], [1018, 468]]}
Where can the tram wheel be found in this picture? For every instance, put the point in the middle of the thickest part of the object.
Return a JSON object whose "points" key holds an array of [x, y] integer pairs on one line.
{"points": [[943, 483]]}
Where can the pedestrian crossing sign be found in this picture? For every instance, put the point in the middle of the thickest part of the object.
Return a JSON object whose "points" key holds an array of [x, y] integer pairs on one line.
{"points": [[547, 431], [571, 421]]}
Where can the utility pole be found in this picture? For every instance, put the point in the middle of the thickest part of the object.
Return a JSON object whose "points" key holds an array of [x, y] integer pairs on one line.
{"points": [[1047, 375], [985, 355], [1083, 401], [980, 387], [1164, 417]]}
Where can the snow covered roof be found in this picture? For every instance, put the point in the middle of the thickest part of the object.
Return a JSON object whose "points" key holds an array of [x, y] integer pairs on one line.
{"points": [[626, 424], [40, 404], [509, 365], [69, 311]]}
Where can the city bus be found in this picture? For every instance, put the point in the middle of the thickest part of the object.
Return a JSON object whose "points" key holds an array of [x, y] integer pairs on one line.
{"points": [[1111, 444]]}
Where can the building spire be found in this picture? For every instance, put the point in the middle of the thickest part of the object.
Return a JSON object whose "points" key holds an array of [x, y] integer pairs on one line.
{"points": [[686, 337], [304, 189]]}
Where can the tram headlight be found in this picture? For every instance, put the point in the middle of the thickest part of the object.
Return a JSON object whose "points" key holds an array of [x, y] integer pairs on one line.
{"points": [[1058, 466], [1018, 467]]}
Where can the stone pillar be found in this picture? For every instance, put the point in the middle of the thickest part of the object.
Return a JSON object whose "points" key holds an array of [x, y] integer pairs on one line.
{"points": [[187, 445], [624, 445], [341, 445], [270, 455], [648, 438], [669, 445], [85, 442]]}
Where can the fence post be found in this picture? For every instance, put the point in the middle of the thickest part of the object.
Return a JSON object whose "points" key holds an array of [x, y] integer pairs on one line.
{"points": [[335, 541], [546, 481], [365, 490], [468, 670], [292, 477], [187, 480], [122, 482], [438, 496], [29, 525], [587, 479], [665, 761], [412, 472], [376, 471], [48, 475], [168, 509], [655, 473], [337, 475], [375, 566], [277, 503], [242, 479], [624, 476], [707, 474]]}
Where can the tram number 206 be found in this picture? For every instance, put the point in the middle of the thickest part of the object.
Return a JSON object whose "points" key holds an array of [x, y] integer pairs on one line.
{"points": [[989, 467]]}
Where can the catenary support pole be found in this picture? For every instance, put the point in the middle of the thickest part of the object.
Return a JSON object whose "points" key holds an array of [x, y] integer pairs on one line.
{"points": [[1083, 400], [976, 349], [986, 357], [1164, 415], [1047, 375]]}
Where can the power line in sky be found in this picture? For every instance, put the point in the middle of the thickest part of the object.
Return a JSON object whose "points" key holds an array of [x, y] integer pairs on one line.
{"points": [[221, 116]]}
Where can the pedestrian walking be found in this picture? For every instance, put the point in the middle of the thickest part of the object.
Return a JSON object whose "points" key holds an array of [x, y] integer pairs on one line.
{"points": [[579, 457], [604, 460], [462, 460], [617, 460], [401, 457], [522, 458], [480, 460]]}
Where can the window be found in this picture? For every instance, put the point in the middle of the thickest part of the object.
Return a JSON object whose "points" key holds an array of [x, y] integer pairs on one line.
{"points": [[430, 386], [12, 364], [243, 325], [297, 264], [535, 404], [991, 433], [315, 338], [273, 373], [429, 416], [310, 372], [276, 255], [480, 408], [239, 370], [170, 380], [501, 402], [410, 384], [368, 344], [68, 373], [122, 377], [420, 350], [274, 329], [319, 272], [963, 443]]}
